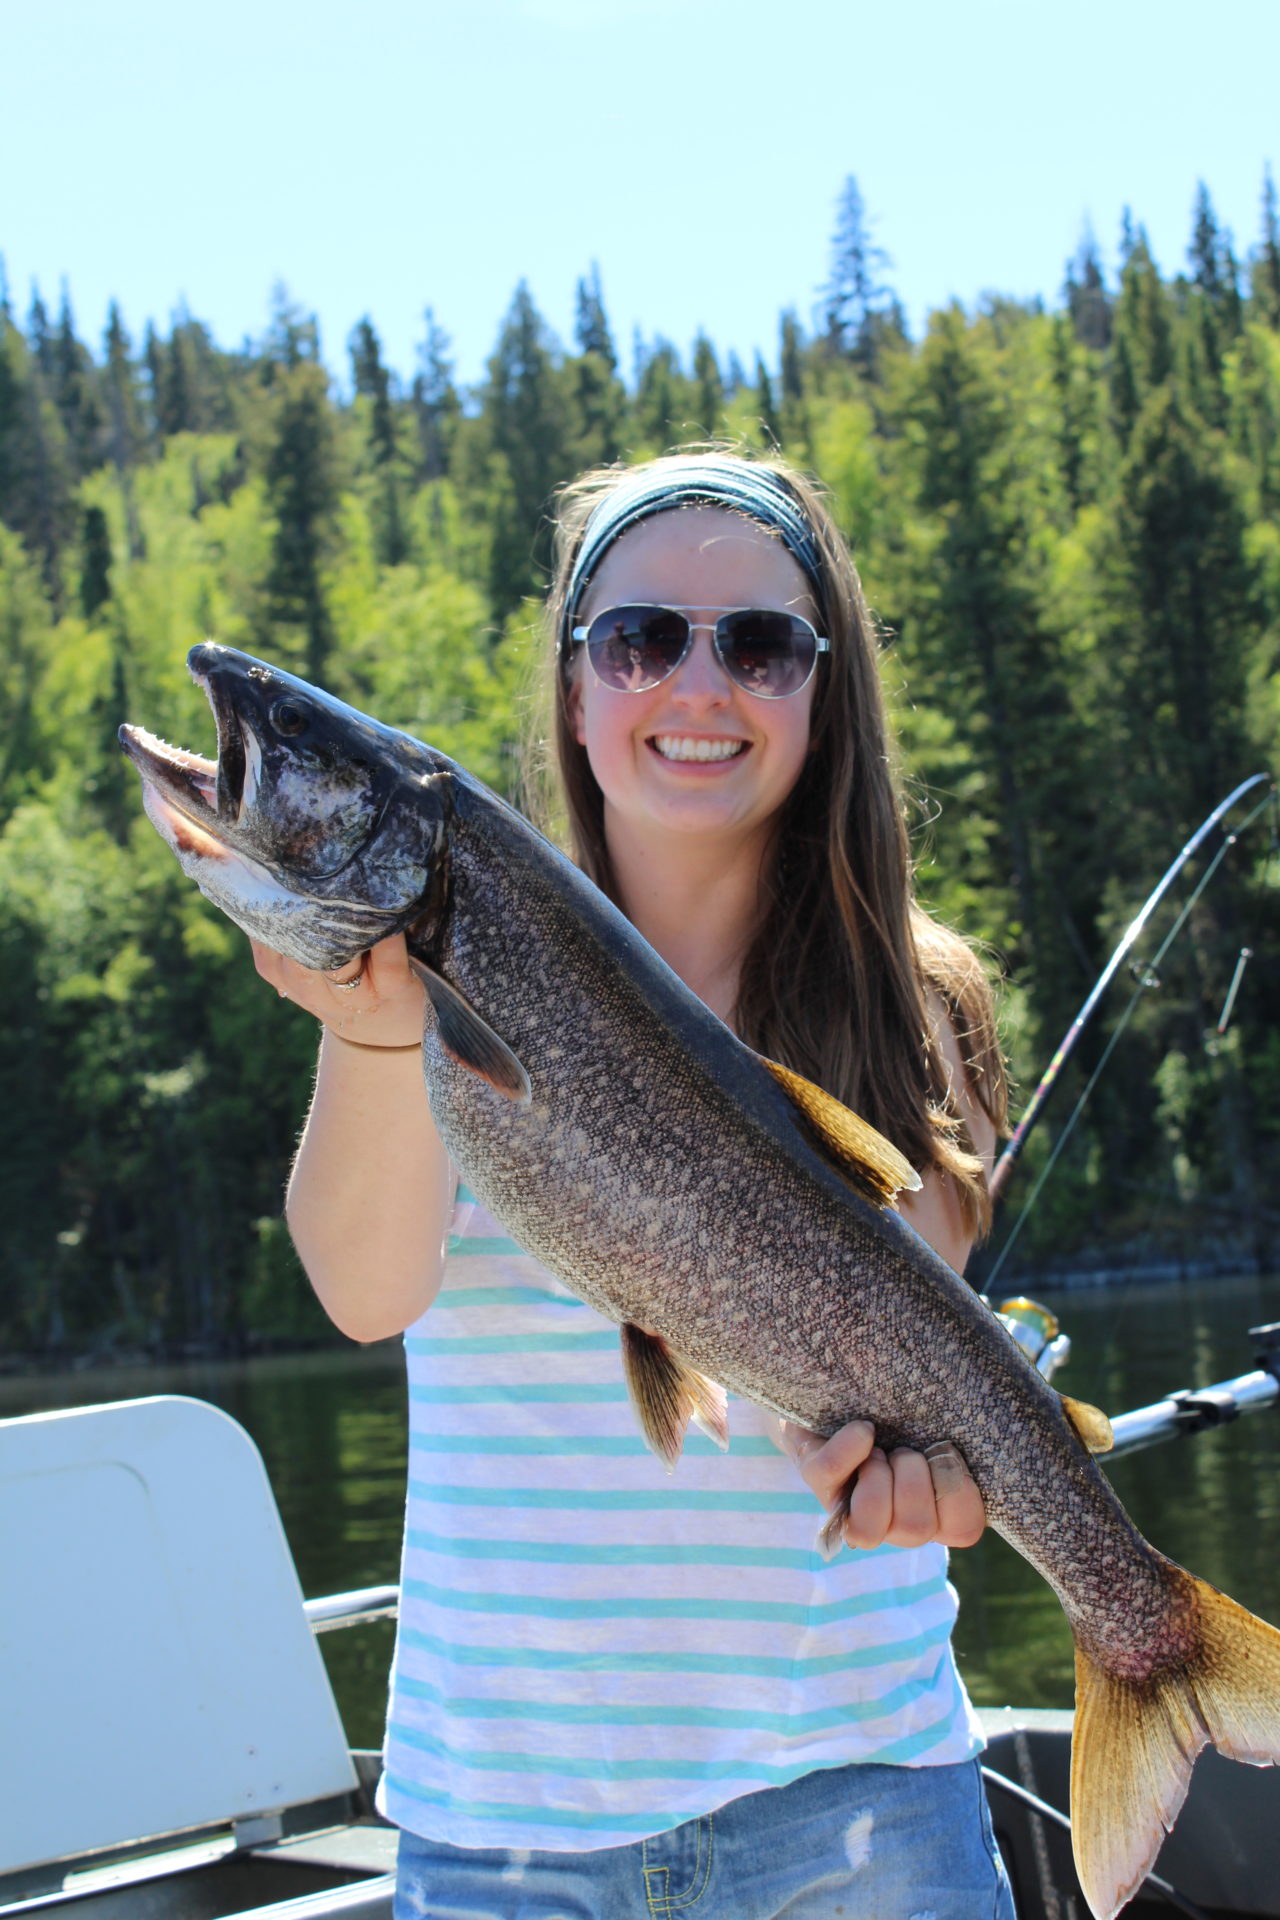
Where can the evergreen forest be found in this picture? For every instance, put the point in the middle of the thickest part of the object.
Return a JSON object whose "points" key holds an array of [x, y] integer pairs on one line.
{"points": [[1067, 521]]}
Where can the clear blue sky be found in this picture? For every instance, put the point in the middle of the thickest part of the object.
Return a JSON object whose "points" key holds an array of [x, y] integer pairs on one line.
{"points": [[398, 153]]}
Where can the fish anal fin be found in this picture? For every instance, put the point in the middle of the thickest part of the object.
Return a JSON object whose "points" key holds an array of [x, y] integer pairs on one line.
{"points": [[1136, 1739], [1092, 1427], [470, 1040], [667, 1393], [863, 1156]]}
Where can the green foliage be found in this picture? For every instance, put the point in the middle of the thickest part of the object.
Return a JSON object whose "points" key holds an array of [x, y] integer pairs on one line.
{"points": [[1069, 527]]}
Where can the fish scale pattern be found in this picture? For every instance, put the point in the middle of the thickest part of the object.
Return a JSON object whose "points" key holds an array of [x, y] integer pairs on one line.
{"points": [[591, 1650]]}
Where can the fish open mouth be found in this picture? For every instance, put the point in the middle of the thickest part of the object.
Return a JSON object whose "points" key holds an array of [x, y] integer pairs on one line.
{"points": [[211, 796]]}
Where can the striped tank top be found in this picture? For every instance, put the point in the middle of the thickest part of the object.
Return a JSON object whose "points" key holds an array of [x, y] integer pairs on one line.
{"points": [[590, 1650]]}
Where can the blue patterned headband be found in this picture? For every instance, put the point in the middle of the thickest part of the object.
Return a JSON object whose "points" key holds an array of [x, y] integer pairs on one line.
{"points": [[736, 484]]}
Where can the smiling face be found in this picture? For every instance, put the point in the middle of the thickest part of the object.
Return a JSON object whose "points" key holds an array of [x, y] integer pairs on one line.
{"points": [[696, 754]]}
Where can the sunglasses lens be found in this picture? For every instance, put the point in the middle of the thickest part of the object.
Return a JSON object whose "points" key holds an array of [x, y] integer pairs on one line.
{"points": [[766, 653], [632, 648]]}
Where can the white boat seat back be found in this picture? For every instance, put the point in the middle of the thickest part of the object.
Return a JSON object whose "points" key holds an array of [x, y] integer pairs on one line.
{"points": [[157, 1672]]}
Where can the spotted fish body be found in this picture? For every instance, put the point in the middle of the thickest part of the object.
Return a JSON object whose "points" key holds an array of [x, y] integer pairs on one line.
{"points": [[628, 1140]]}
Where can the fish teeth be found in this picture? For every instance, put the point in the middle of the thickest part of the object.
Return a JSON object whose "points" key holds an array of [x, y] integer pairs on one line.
{"points": [[678, 746], [252, 771]]}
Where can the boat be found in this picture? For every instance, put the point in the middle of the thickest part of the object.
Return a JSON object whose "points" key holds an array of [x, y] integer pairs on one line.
{"points": [[175, 1752]]}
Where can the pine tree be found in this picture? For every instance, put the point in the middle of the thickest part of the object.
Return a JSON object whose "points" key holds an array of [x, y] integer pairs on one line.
{"points": [[1265, 274], [662, 399], [591, 328], [1088, 302], [978, 646], [765, 406], [75, 392], [596, 397], [435, 399], [36, 475], [125, 433], [39, 336], [95, 561], [302, 492], [372, 382], [708, 398], [853, 292], [1215, 308], [793, 415], [527, 425], [292, 336], [1142, 357]]}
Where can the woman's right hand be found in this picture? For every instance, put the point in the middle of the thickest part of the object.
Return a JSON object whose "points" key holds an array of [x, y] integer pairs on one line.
{"points": [[377, 1001]]}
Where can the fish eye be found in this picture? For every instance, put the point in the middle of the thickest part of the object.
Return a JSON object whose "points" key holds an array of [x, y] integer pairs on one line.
{"points": [[287, 717]]}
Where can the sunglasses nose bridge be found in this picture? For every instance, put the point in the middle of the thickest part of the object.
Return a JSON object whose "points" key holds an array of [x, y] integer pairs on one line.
{"points": [[700, 670]]}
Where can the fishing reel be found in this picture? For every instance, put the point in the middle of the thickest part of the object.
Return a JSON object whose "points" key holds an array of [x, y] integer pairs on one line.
{"points": [[1036, 1331]]}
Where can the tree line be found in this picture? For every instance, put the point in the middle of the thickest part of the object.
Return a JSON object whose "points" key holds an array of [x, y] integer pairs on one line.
{"points": [[1067, 518]]}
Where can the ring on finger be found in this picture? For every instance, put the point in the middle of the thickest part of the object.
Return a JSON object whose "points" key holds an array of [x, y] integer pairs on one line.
{"points": [[345, 986]]}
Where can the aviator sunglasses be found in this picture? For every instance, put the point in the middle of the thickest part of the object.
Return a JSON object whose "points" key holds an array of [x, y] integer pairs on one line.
{"points": [[763, 651]]}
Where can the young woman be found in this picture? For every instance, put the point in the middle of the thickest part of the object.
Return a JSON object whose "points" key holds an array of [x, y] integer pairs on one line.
{"points": [[616, 1692]]}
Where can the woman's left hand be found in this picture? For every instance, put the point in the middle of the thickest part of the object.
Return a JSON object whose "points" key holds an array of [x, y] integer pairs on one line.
{"points": [[902, 1499]]}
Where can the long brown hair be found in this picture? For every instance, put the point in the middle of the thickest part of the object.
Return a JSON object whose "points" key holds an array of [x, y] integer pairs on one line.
{"points": [[834, 984]]}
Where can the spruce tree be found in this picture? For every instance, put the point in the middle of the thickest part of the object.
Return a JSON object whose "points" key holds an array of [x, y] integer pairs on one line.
{"points": [[527, 425], [768, 413], [662, 399], [39, 335], [37, 478], [1088, 302], [1143, 355], [435, 399], [708, 393], [75, 393], [302, 493], [853, 291], [596, 398], [125, 431], [95, 561], [372, 382], [591, 328], [1265, 273], [292, 335]]}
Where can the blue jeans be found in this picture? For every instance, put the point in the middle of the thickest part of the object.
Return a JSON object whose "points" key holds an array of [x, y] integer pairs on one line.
{"points": [[862, 1842]]}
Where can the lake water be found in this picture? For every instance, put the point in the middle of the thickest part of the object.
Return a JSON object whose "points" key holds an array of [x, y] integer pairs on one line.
{"points": [[331, 1429]]}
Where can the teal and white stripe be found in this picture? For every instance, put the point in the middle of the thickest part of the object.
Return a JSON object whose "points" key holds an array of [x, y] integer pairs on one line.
{"points": [[591, 1650]]}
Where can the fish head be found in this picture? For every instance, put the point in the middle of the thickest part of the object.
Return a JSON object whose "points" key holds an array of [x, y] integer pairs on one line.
{"points": [[316, 829]]}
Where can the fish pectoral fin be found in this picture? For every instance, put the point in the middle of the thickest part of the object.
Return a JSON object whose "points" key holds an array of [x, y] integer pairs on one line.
{"points": [[470, 1040], [1092, 1427], [667, 1393], [862, 1155]]}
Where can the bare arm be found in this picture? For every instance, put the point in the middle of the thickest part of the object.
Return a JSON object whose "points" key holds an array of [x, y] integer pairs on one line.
{"points": [[934, 1212], [371, 1190]]}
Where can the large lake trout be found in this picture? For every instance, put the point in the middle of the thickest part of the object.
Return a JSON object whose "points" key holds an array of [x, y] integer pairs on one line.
{"points": [[733, 1219]]}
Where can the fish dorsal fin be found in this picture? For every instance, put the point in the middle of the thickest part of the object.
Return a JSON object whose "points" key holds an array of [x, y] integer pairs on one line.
{"points": [[862, 1155], [667, 1393], [470, 1040], [1092, 1427]]}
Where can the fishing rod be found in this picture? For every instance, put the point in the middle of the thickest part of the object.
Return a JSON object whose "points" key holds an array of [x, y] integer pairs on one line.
{"points": [[1009, 1158]]}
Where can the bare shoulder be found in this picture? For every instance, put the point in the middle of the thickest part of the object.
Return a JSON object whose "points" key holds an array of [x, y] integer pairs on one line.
{"points": [[981, 1127], [935, 1212]]}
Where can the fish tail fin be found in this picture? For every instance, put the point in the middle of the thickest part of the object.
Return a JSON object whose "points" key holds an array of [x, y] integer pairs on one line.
{"points": [[1136, 1739]]}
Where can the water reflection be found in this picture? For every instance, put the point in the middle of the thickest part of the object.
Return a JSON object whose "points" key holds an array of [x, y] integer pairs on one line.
{"points": [[1211, 1502], [331, 1429]]}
